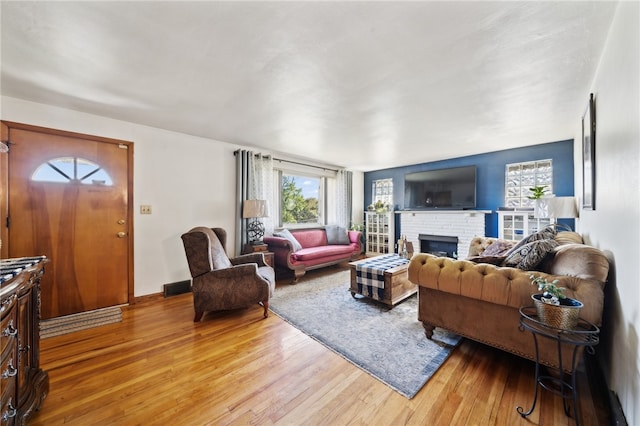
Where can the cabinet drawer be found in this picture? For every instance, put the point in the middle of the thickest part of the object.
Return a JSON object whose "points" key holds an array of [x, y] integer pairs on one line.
{"points": [[7, 305], [8, 330], [8, 374], [8, 412]]}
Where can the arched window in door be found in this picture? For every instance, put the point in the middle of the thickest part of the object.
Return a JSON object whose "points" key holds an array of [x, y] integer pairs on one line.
{"points": [[72, 170]]}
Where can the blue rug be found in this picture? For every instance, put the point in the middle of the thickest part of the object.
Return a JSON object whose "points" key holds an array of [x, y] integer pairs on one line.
{"points": [[387, 343]]}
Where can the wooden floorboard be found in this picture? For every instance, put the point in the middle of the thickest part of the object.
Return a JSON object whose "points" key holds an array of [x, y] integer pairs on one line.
{"points": [[157, 367]]}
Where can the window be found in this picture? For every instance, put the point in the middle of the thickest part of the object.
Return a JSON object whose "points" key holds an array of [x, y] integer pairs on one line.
{"points": [[72, 170], [301, 199], [382, 190], [522, 176]]}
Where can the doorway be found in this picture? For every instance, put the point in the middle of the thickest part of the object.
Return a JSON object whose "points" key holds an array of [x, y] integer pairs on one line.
{"points": [[70, 199]]}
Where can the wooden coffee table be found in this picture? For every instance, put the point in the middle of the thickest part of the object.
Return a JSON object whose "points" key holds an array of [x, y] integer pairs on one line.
{"points": [[397, 286]]}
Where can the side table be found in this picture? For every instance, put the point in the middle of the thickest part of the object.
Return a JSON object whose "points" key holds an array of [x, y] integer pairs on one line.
{"points": [[260, 248], [268, 258], [253, 248], [585, 335]]}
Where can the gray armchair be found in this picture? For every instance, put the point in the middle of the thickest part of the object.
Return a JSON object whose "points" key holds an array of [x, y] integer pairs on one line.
{"points": [[220, 283]]}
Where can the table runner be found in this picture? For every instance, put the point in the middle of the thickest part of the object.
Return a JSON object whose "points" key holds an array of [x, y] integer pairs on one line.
{"points": [[370, 274], [9, 268]]}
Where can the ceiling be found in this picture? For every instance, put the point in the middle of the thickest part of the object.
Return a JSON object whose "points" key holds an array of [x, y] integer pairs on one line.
{"points": [[362, 85]]}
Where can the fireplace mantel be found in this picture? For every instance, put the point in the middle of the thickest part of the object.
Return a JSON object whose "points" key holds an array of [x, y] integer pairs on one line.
{"points": [[444, 211], [464, 224]]}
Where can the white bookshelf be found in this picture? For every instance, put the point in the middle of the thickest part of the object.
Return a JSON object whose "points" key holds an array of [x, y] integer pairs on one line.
{"points": [[517, 224], [380, 233]]}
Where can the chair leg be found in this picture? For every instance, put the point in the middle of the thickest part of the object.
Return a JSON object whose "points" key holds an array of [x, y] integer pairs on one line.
{"points": [[198, 316], [265, 304], [428, 330]]}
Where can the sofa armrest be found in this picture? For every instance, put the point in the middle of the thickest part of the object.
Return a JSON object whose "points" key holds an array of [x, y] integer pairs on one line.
{"points": [[278, 243], [249, 258], [226, 277], [355, 237]]}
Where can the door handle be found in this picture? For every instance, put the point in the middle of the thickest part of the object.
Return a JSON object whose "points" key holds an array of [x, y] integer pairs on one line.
{"points": [[121, 234]]}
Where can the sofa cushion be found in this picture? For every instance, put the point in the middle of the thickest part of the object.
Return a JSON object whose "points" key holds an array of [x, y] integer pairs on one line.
{"points": [[315, 237], [313, 253], [218, 255], [285, 233], [336, 235], [529, 255], [568, 237], [581, 261]]}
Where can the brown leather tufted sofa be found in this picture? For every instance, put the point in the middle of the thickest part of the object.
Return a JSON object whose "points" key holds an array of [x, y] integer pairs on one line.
{"points": [[481, 301]]}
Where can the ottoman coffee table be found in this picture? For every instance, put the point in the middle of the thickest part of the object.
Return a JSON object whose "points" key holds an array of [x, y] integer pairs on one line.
{"points": [[383, 278]]}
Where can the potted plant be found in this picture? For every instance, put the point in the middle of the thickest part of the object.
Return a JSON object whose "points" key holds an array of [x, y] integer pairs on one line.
{"points": [[554, 308], [537, 192], [380, 207]]}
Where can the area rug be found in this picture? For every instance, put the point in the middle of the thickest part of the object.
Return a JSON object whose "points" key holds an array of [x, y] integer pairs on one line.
{"points": [[80, 321], [389, 344]]}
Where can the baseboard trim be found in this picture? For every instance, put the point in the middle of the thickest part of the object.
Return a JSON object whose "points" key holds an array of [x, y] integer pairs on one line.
{"points": [[599, 385], [180, 287]]}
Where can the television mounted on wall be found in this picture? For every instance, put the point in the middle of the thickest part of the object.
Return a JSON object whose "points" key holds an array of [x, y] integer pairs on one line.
{"points": [[450, 188]]}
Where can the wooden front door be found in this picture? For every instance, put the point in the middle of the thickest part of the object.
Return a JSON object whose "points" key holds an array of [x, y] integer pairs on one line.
{"points": [[69, 199]]}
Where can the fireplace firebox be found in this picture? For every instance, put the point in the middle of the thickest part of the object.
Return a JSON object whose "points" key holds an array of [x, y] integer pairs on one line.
{"points": [[439, 245]]}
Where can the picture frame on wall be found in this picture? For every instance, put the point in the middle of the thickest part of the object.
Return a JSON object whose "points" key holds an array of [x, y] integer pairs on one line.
{"points": [[589, 156]]}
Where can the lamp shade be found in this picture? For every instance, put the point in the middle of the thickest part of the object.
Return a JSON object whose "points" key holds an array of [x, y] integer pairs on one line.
{"points": [[254, 208], [556, 208], [563, 207]]}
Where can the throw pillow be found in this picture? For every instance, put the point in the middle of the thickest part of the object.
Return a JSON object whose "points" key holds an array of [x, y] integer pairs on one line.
{"points": [[343, 237], [336, 235], [285, 233], [529, 255], [547, 233], [498, 248]]}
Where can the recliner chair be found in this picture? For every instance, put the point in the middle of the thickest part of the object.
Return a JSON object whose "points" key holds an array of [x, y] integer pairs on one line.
{"points": [[220, 282]]}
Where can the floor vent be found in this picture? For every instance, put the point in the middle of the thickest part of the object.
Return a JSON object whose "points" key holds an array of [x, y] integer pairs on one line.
{"points": [[180, 287]]}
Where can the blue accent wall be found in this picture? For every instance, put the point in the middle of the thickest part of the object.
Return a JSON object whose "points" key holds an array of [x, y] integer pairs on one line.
{"points": [[490, 169]]}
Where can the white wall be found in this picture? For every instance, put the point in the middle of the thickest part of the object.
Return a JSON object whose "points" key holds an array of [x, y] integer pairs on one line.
{"points": [[188, 181], [615, 224]]}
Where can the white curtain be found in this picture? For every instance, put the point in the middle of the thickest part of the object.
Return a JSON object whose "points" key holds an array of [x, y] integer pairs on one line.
{"points": [[262, 186], [344, 193]]}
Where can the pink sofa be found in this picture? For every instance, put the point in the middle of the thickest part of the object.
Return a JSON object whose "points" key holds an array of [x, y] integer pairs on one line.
{"points": [[315, 252]]}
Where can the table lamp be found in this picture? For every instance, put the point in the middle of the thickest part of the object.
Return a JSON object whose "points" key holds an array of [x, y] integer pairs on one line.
{"points": [[254, 210]]}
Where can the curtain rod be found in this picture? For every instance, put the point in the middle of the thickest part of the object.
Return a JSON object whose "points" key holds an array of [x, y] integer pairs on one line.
{"points": [[304, 164], [282, 160]]}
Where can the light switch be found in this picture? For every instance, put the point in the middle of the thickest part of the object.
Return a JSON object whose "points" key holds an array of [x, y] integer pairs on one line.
{"points": [[145, 209]]}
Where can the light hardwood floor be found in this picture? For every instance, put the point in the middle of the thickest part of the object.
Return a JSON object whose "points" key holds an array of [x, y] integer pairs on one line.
{"points": [[157, 367]]}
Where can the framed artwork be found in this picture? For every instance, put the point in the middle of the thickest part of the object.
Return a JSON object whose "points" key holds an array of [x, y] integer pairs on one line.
{"points": [[589, 156]]}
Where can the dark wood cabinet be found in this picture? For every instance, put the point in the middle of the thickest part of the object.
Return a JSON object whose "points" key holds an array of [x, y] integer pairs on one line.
{"points": [[24, 384], [260, 248]]}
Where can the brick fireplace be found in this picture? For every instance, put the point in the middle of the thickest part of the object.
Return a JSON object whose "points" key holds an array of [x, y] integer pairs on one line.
{"points": [[461, 224]]}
